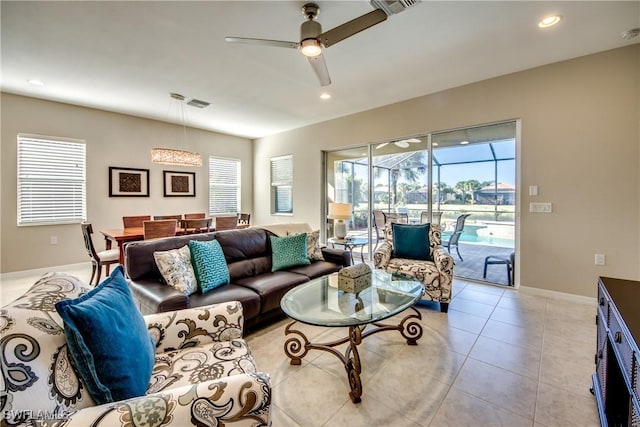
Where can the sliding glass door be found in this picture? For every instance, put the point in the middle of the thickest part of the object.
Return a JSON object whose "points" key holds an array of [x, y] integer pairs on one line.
{"points": [[467, 173]]}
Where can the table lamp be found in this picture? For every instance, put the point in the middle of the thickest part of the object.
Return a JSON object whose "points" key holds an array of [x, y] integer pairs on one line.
{"points": [[340, 212]]}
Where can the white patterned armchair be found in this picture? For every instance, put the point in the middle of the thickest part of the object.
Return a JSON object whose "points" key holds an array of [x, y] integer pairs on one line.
{"points": [[203, 373], [436, 275]]}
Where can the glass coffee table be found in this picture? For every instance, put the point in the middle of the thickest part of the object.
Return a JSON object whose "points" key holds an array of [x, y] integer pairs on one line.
{"points": [[320, 303]]}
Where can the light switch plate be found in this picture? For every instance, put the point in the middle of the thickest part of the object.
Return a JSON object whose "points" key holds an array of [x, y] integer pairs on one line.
{"points": [[540, 207], [533, 190]]}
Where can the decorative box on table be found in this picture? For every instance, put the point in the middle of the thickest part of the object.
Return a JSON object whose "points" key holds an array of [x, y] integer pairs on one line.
{"points": [[355, 278]]}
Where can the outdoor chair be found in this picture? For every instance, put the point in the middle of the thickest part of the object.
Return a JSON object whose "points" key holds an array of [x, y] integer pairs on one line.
{"points": [[98, 259], [497, 260], [436, 217], [455, 237]]}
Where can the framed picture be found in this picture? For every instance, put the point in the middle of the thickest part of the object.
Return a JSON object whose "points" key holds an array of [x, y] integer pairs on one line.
{"points": [[128, 182], [179, 184]]}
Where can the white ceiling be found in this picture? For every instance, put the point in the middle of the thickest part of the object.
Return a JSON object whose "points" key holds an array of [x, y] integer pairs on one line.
{"points": [[127, 56]]}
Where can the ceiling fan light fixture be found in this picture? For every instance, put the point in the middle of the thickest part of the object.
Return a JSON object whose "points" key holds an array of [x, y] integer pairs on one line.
{"points": [[549, 21], [310, 48]]}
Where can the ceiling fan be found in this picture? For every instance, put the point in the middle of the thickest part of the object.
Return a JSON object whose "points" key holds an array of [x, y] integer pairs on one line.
{"points": [[403, 143], [313, 40]]}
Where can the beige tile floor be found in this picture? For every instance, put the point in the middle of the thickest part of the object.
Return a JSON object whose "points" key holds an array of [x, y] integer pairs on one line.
{"points": [[500, 357]]}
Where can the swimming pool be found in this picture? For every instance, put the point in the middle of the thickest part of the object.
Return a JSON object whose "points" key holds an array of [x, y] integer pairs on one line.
{"points": [[482, 240]]}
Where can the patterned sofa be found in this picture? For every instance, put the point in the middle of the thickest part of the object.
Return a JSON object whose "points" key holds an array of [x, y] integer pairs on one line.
{"points": [[436, 275], [203, 373]]}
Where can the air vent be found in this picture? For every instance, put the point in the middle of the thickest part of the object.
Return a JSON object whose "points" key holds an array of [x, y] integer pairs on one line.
{"points": [[198, 103], [391, 7]]}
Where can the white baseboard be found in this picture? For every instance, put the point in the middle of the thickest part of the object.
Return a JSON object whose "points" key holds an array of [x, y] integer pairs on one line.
{"points": [[40, 271], [557, 294]]}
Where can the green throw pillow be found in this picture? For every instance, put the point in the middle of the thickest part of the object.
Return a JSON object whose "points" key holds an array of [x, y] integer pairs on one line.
{"points": [[108, 340], [411, 241], [288, 251], [209, 264]]}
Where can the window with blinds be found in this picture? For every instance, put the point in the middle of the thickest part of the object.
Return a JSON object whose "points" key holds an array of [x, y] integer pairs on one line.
{"points": [[282, 185], [224, 186], [51, 180]]}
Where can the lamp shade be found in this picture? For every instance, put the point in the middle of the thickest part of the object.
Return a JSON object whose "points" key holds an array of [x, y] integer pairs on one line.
{"points": [[339, 211]]}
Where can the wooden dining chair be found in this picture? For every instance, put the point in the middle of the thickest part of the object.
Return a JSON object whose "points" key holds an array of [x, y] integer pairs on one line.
{"points": [[134, 221], [244, 218], [98, 259], [159, 228], [176, 217], [200, 225], [199, 215], [226, 223]]}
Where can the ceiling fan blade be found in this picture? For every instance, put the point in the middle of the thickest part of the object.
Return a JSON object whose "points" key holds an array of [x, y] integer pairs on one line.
{"points": [[352, 27], [381, 145], [263, 42], [320, 68]]}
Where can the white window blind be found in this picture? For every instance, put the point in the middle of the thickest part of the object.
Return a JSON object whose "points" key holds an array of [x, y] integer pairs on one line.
{"points": [[51, 180], [224, 186], [282, 185]]}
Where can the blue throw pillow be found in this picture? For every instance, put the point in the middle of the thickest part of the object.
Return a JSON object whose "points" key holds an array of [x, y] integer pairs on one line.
{"points": [[288, 251], [411, 241], [209, 264], [109, 341]]}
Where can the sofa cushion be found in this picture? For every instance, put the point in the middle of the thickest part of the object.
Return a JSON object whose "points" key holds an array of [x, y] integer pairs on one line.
{"points": [[411, 241], [214, 361], [288, 251], [176, 270], [209, 264], [272, 286], [314, 253], [108, 340], [316, 269], [249, 299]]}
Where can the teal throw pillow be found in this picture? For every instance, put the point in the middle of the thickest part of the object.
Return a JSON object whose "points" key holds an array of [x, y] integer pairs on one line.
{"points": [[411, 241], [209, 264], [288, 251], [108, 340]]}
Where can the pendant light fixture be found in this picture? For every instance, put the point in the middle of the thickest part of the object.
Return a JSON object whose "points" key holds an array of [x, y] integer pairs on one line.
{"points": [[172, 156]]}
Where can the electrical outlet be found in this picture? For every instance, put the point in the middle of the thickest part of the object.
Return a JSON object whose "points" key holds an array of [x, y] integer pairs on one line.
{"points": [[53, 240], [600, 259]]}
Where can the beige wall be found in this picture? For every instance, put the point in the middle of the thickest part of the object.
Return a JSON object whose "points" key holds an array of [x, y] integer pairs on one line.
{"points": [[112, 140], [580, 144]]}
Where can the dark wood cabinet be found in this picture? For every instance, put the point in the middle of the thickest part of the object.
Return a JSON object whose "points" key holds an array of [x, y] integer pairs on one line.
{"points": [[615, 383]]}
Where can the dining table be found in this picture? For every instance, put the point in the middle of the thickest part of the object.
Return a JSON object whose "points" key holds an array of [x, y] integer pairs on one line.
{"points": [[120, 236]]}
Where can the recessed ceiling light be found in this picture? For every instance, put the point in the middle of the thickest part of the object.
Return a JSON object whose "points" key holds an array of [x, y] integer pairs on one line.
{"points": [[36, 82], [464, 142], [549, 21], [325, 95]]}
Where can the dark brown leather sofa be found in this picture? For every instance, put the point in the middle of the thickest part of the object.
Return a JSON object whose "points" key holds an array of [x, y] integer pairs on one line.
{"points": [[248, 255]]}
